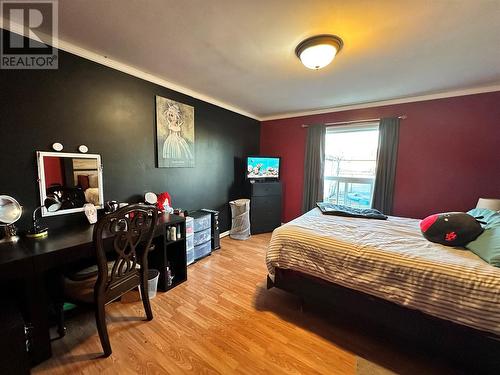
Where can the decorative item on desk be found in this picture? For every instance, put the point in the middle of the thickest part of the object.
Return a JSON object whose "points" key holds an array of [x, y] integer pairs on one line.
{"points": [[10, 212], [110, 206], [90, 212], [181, 212], [178, 230], [164, 203], [52, 203], [150, 198]]}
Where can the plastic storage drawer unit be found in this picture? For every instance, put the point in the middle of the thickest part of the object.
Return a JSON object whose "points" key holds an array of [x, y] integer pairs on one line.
{"points": [[189, 241], [189, 256], [202, 250], [202, 236], [202, 221], [189, 225]]}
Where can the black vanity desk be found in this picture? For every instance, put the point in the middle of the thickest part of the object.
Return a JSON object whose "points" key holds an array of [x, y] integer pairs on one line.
{"points": [[29, 260]]}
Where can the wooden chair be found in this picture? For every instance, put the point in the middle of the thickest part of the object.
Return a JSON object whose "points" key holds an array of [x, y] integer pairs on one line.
{"points": [[122, 241]]}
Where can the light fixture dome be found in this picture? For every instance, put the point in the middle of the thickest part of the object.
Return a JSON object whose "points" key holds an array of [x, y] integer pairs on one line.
{"points": [[318, 51]]}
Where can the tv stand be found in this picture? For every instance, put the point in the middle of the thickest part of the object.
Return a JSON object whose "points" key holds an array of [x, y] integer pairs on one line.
{"points": [[265, 206]]}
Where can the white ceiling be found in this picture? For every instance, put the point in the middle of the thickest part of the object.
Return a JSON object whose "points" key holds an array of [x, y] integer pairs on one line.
{"points": [[241, 52]]}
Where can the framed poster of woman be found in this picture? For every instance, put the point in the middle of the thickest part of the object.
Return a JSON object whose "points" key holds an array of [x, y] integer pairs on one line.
{"points": [[174, 133]]}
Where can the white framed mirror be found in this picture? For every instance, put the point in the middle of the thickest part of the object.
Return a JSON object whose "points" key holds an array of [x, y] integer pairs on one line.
{"points": [[67, 181]]}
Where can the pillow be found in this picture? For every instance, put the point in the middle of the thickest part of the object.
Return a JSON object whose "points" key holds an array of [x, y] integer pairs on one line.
{"points": [[490, 217], [451, 228], [487, 245], [83, 181], [93, 181]]}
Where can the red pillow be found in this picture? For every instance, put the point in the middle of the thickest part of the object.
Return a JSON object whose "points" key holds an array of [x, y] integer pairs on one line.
{"points": [[83, 181]]}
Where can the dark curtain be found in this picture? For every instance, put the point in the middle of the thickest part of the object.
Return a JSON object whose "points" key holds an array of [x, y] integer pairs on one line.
{"points": [[314, 162], [383, 193]]}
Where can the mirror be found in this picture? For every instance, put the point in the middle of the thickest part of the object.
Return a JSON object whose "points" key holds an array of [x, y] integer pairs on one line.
{"points": [[10, 212], [68, 181]]}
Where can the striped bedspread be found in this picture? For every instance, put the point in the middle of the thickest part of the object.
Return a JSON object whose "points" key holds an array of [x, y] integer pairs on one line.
{"points": [[391, 260]]}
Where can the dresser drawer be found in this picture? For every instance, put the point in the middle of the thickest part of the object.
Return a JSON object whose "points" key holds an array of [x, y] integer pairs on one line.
{"points": [[266, 188], [265, 225], [266, 206]]}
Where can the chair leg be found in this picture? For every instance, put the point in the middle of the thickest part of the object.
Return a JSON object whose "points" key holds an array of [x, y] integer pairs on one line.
{"points": [[100, 317], [145, 298]]}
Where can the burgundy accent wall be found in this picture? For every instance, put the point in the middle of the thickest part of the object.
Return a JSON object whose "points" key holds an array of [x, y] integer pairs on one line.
{"points": [[53, 171], [448, 154]]}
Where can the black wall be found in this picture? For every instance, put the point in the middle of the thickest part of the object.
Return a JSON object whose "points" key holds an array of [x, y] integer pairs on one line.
{"points": [[113, 113]]}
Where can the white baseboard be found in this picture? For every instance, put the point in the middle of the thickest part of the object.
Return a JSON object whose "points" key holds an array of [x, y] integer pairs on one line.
{"points": [[224, 234]]}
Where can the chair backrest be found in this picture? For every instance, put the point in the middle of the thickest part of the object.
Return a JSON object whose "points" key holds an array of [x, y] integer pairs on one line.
{"points": [[129, 231]]}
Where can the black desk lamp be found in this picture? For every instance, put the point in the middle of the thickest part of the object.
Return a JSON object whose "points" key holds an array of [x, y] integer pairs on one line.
{"points": [[52, 204]]}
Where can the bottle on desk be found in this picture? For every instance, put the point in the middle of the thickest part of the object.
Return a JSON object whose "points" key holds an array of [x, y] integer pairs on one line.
{"points": [[172, 234]]}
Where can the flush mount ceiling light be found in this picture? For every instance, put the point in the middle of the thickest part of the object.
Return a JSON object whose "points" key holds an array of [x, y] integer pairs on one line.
{"points": [[318, 51]]}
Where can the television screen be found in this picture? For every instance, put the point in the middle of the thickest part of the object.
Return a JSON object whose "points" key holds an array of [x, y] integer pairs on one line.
{"points": [[263, 167]]}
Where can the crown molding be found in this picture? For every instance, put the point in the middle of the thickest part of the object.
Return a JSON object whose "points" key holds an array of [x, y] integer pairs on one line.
{"points": [[133, 71], [409, 99]]}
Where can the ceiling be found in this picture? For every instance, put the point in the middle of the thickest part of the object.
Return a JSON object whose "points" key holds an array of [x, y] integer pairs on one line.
{"points": [[241, 52]]}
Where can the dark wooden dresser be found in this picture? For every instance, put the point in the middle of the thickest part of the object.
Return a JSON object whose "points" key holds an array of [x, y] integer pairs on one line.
{"points": [[265, 206]]}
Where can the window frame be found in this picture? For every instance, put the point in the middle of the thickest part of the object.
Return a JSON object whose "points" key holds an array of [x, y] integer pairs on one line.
{"points": [[350, 128]]}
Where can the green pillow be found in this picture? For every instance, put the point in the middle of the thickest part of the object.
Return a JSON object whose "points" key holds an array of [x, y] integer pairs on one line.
{"points": [[492, 218], [487, 245]]}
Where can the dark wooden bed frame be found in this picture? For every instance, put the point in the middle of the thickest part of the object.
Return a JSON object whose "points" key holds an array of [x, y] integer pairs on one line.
{"points": [[475, 350]]}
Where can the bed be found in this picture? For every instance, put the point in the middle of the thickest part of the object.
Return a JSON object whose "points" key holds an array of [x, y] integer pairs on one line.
{"points": [[389, 260]]}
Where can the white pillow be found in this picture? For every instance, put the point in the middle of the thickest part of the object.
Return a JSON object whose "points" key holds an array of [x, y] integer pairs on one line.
{"points": [[93, 181]]}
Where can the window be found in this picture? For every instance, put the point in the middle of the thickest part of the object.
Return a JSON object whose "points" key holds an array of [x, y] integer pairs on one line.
{"points": [[351, 164]]}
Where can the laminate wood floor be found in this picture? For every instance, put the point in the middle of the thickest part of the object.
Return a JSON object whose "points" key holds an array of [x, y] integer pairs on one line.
{"points": [[224, 321]]}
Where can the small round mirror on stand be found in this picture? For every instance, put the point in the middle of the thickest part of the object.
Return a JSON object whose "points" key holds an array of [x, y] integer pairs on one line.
{"points": [[10, 212]]}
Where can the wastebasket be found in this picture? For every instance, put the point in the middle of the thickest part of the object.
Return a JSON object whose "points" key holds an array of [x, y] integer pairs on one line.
{"points": [[240, 212], [153, 276]]}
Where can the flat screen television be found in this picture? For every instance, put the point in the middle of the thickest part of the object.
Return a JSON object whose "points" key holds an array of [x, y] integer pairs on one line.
{"points": [[263, 168]]}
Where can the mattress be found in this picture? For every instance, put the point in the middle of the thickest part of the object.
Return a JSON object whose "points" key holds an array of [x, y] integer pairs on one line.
{"points": [[393, 261]]}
